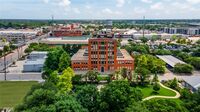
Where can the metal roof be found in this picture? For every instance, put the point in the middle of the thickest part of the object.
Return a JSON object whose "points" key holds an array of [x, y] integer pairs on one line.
{"points": [[170, 60], [194, 81], [35, 62]]}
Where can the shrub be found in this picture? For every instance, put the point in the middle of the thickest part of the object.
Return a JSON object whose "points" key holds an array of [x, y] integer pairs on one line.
{"points": [[103, 78], [194, 61], [76, 79], [183, 68], [162, 52], [156, 87]]}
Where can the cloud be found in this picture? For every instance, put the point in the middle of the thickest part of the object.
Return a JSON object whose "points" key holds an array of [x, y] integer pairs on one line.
{"points": [[109, 11], [139, 10], [157, 6], [76, 10], [120, 3], [87, 6], [146, 1], [64, 3], [46, 1], [193, 1]]}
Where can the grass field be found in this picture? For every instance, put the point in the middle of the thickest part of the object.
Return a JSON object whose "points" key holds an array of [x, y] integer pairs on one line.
{"points": [[12, 92], [148, 91]]}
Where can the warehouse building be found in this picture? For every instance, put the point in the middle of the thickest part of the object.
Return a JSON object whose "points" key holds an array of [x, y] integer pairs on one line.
{"points": [[191, 82], [170, 60], [35, 62]]}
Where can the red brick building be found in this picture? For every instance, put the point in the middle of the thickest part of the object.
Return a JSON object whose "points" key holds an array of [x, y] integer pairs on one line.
{"points": [[70, 30], [102, 55]]}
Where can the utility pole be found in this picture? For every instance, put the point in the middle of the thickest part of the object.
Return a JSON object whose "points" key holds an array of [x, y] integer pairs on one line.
{"points": [[143, 26], [52, 20], [5, 65]]}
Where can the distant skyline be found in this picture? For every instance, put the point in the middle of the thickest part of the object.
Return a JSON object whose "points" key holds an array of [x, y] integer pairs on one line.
{"points": [[99, 9]]}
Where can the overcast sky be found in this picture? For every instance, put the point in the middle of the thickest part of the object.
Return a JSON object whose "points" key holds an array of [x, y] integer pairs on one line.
{"points": [[99, 9]]}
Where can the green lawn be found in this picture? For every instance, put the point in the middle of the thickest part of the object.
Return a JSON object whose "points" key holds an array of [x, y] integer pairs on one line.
{"points": [[148, 91], [12, 92]]}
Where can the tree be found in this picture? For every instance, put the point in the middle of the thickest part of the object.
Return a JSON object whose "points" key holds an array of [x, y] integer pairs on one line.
{"points": [[118, 95], [174, 37], [156, 87], [91, 75], [162, 52], [65, 80], [136, 107], [53, 77], [52, 60], [144, 39], [150, 63], [154, 38], [174, 84], [38, 98], [45, 100], [196, 52], [67, 103], [183, 68], [6, 49], [64, 61], [116, 75], [87, 95], [155, 78], [143, 74], [164, 105], [198, 42], [124, 72], [185, 94], [194, 61]]}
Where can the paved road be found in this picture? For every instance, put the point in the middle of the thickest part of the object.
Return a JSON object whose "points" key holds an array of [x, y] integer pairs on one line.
{"points": [[22, 77], [168, 97], [10, 58]]}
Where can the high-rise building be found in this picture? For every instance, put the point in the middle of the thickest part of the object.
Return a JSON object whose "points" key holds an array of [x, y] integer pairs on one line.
{"points": [[102, 55]]}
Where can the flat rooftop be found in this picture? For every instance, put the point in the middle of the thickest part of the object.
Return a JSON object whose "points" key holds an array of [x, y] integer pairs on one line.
{"points": [[53, 41], [18, 31], [39, 52], [170, 60], [125, 55], [80, 56], [35, 62]]}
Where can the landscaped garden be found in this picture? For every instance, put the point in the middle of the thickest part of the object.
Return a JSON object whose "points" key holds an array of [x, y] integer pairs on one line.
{"points": [[13, 92], [148, 91]]}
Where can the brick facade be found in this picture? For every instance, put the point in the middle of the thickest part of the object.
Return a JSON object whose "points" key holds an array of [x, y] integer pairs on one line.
{"points": [[102, 55]]}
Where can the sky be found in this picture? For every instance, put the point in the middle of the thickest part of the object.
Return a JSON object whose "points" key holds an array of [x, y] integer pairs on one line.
{"points": [[100, 9]]}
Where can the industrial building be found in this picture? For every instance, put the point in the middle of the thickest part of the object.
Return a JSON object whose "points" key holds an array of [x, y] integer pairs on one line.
{"points": [[19, 35], [68, 30], [102, 55], [35, 62], [136, 35], [182, 30]]}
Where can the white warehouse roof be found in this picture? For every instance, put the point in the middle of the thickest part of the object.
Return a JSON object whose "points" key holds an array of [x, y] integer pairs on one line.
{"points": [[193, 81], [170, 60]]}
